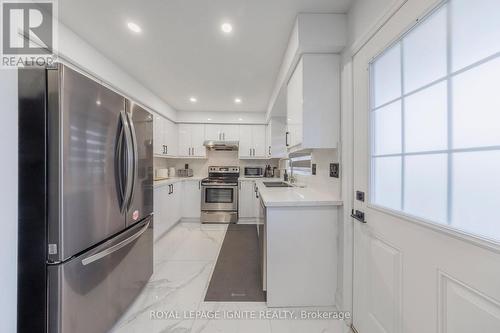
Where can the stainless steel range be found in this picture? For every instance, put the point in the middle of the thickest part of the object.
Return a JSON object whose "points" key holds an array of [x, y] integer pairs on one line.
{"points": [[219, 196]]}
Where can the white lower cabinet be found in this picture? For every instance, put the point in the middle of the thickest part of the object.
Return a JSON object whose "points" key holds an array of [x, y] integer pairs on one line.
{"points": [[248, 202], [167, 207], [191, 199]]}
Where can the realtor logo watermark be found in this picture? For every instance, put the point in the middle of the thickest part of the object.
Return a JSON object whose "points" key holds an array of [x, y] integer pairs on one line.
{"points": [[29, 33]]}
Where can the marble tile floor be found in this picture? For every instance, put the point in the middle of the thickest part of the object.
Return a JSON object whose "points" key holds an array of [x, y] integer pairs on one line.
{"points": [[184, 260]]}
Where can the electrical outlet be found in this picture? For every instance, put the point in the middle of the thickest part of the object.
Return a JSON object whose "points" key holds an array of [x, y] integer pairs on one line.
{"points": [[334, 170], [313, 169]]}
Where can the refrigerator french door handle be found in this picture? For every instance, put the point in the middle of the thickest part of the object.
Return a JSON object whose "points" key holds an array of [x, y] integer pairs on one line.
{"points": [[119, 164], [114, 248], [129, 159], [135, 159]]}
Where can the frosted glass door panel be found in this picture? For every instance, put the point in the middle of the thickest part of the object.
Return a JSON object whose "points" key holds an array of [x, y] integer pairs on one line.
{"points": [[424, 55], [476, 192], [476, 106], [426, 186], [387, 76], [426, 118], [475, 27], [387, 182], [387, 129]]}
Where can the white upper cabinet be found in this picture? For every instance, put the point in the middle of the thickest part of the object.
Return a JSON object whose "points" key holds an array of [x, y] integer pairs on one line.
{"points": [[158, 146], [276, 132], [219, 132], [171, 138], [313, 103], [253, 143], [165, 137], [191, 138]]}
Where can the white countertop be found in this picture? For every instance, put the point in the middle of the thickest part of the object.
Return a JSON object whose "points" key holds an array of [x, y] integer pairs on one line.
{"points": [[294, 196], [172, 180]]}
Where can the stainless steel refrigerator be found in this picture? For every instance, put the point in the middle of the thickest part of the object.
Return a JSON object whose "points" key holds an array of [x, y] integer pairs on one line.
{"points": [[90, 152]]}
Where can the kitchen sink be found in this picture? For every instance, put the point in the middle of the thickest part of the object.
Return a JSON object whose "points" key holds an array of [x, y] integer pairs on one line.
{"points": [[277, 184]]}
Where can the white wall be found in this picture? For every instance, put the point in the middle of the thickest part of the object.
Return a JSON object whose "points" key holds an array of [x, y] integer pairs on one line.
{"points": [[365, 16], [322, 180], [78, 51], [8, 200], [221, 117]]}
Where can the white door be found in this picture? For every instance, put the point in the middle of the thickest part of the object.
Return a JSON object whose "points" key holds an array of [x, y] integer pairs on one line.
{"points": [[191, 202], [160, 218], [295, 105], [230, 132], [259, 141], [184, 144], [171, 138], [197, 139], [246, 145], [177, 189], [158, 135], [246, 200], [428, 257], [213, 132]]}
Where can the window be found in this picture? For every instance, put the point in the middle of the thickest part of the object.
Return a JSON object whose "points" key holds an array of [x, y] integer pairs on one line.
{"points": [[301, 163], [435, 119]]}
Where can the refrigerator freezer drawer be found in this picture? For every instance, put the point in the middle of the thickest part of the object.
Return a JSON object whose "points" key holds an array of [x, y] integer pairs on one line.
{"points": [[91, 291]]}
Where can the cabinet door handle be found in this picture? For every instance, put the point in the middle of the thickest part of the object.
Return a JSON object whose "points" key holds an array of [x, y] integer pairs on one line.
{"points": [[166, 150], [199, 185], [223, 136], [269, 150], [286, 138]]}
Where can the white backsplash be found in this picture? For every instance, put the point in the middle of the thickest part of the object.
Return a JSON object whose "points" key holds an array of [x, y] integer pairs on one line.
{"points": [[214, 158], [321, 157], [322, 180]]}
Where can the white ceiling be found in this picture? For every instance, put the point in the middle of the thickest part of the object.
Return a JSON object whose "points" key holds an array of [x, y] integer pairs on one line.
{"points": [[182, 52]]}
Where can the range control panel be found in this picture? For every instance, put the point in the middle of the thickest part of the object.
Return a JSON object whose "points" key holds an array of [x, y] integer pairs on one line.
{"points": [[223, 169]]}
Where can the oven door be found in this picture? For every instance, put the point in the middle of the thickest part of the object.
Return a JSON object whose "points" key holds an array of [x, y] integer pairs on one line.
{"points": [[219, 198]]}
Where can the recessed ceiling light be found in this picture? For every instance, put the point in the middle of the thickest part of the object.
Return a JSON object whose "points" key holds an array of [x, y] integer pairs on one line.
{"points": [[240, 119], [226, 28], [98, 102], [134, 27], [193, 99], [209, 119], [237, 100]]}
